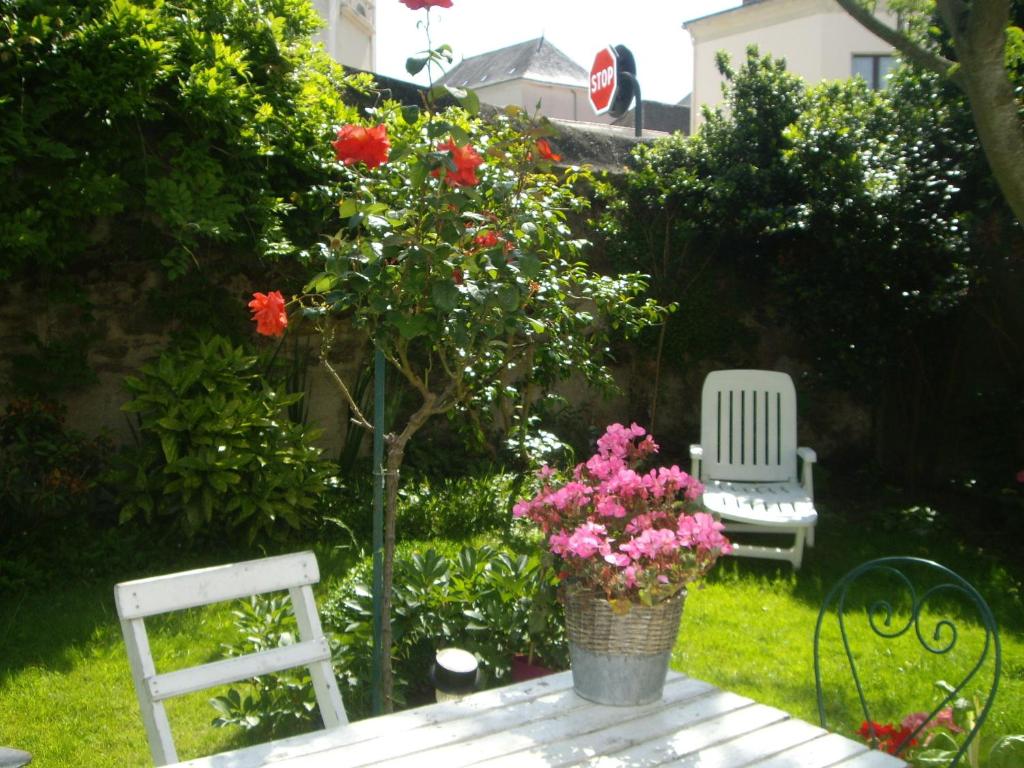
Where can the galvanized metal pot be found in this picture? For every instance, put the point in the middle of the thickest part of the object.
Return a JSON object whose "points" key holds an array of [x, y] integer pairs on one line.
{"points": [[620, 658]]}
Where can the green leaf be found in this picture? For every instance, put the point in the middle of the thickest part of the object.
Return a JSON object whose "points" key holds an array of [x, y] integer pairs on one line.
{"points": [[415, 64], [529, 265], [409, 327], [169, 445], [508, 298], [411, 115], [1008, 752], [445, 295], [347, 208]]}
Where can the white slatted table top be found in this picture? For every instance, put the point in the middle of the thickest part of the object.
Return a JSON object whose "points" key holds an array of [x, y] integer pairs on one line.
{"points": [[543, 722]]}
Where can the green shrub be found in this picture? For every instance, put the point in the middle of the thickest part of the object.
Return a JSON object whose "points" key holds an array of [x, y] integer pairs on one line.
{"points": [[456, 507], [430, 507], [216, 452], [492, 602], [477, 598], [162, 131], [281, 703]]}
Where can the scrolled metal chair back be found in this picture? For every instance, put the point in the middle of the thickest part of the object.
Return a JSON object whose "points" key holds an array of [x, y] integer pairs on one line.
{"points": [[942, 582]]}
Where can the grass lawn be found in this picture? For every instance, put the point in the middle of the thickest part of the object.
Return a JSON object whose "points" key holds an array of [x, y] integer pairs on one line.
{"points": [[66, 692]]}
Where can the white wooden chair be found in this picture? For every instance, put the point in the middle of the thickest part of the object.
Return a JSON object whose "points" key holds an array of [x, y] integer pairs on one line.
{"points": [[747, 459], [175, 592]]}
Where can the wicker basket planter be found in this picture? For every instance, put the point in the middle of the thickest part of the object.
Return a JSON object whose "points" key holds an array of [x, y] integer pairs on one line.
{"points": [[620, 658]]}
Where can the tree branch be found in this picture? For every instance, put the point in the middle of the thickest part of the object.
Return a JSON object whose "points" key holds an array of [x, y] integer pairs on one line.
{"points": [[911, 50], [357, 415]]}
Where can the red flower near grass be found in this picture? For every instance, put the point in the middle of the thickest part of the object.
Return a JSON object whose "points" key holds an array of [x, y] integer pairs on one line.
{"points": [[356, 144], [268, 313], [544, 149], [415, 5], [887, 738], [465, 160]]}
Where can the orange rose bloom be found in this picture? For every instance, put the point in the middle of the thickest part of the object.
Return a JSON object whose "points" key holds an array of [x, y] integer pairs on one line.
{"points": [[545, 151], [356, 144], [268, 312], [466, 161], [486, 239]]}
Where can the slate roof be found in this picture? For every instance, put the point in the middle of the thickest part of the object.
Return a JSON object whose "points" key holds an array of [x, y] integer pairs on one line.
{"points": [[535, 59]]}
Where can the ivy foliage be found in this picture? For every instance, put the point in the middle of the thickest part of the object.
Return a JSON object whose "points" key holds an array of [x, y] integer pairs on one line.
{"points": [[182, 131], [844, 206]]}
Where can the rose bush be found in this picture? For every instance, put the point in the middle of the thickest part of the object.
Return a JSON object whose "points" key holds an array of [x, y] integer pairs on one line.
{"points": [[629, 535], [455, 255]]}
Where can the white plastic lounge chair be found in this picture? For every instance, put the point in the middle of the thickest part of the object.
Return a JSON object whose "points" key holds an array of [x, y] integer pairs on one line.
{"points": [[747, 459]]}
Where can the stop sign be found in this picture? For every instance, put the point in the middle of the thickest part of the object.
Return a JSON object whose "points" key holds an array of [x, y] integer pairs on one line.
{"points": [[603, 80]]}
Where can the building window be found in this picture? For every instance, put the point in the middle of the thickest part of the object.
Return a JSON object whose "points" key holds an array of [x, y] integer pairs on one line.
{"points": [[874, 68]]}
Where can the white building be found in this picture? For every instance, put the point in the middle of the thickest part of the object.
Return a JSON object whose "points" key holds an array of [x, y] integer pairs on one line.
{"points": [[817, 38], [526, 74], [349, 32]]}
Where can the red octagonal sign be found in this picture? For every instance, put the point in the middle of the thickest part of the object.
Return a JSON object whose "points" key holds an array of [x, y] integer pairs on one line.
{"points": [[603, 79]]}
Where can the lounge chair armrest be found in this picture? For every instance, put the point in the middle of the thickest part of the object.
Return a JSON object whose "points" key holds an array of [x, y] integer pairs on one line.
{"points": [[807, 459], [696, 454], [807, 455]]}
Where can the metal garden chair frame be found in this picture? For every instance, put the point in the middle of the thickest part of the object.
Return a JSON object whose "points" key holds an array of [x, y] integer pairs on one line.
{"points": [[943, 639]]}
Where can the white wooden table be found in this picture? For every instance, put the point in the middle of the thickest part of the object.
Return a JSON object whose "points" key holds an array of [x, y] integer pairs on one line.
{"points": [[544, 723]]}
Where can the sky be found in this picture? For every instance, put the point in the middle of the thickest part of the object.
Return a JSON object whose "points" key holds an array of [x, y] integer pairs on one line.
{"points": [[651, 29]]}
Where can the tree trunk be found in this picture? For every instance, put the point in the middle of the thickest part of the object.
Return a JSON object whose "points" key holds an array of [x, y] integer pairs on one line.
{"points": [[980, 41], [395, 456], [978, 30]]}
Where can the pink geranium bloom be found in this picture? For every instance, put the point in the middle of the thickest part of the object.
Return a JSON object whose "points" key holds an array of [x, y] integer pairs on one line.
{"points": [[617, 558], [623, 531], [587, 540], [651, 543], [608, 506]]}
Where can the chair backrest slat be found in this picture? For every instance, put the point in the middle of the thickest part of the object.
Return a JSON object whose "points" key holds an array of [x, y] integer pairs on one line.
{"points": [[748, 426], [192, 679], [190, 589], [139, 599]]}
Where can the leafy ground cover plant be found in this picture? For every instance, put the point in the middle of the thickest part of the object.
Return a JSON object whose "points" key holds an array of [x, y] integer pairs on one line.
{"points": [[216, 452], [481, 598]]}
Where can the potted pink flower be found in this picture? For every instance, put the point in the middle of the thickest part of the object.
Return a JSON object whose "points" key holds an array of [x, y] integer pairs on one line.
{"points": [[626, 542]]}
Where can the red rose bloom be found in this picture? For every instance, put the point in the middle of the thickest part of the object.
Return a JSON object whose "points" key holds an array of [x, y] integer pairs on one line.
{"points": [[544, 149], [417, 4], [457, 276], [356, 144], [887, 738], [486, 239], [268, 312], [466, 161]]}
